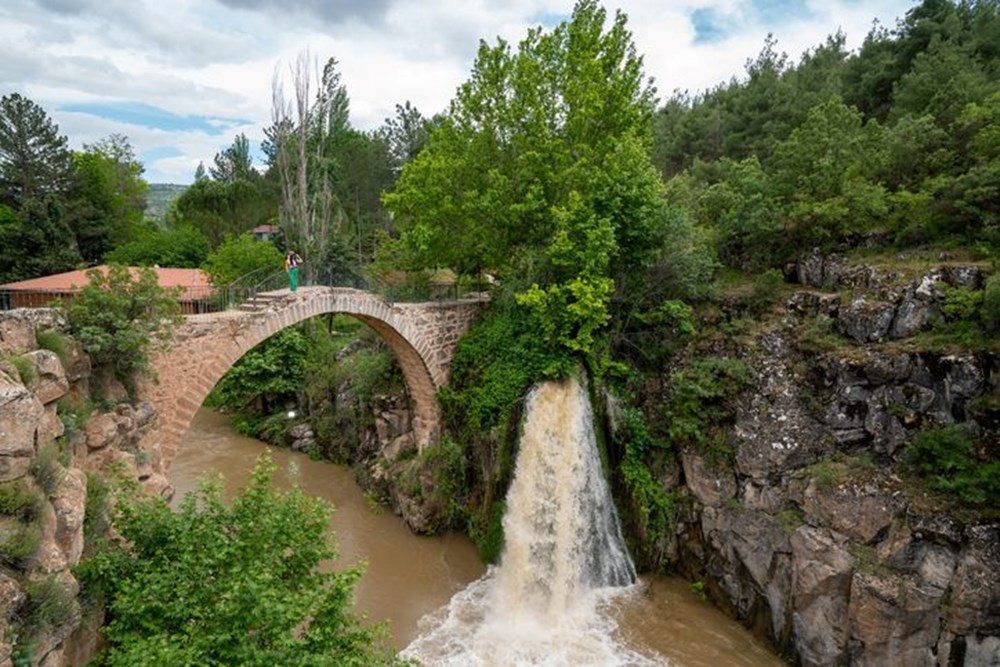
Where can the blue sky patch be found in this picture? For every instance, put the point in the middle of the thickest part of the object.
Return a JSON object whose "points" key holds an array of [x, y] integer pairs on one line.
{"points": [[709, 26], [145, 115]]}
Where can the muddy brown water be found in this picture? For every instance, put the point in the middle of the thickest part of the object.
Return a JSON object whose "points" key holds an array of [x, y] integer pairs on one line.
{"points": [[408, 576]]}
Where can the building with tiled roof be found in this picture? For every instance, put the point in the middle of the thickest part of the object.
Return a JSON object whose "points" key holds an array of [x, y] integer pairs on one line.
{"points": [[40, 292]]}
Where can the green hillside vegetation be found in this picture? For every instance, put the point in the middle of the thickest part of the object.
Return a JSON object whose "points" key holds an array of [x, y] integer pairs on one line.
{"points": [[159, 198]]}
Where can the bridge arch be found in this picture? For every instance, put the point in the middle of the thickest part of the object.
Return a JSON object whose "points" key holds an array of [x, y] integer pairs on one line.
{"points": [[422, 336]]}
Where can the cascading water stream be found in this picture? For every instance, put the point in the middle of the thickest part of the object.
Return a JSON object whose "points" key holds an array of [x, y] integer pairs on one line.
{"points": [[564, 557]]}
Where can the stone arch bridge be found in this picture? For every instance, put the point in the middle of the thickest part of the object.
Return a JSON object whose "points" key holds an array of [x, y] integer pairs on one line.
{"points": [[423, 337]]}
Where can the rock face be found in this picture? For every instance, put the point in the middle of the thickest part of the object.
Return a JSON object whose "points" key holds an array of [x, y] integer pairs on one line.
{"points": [[810, 535], [31, 430]]}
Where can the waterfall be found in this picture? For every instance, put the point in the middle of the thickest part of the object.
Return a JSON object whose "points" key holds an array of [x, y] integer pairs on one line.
{"points": [[564, 558]]}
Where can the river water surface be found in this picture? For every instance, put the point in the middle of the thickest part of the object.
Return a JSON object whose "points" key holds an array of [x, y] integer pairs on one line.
{"points": [[408, 576]]}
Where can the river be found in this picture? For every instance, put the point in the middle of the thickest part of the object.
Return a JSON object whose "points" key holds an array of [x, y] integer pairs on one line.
{"points": [[408, 576]]}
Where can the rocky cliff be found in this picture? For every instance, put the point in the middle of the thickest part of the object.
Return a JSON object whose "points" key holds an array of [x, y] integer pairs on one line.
{"points": [[814, 531], [51, 435]]}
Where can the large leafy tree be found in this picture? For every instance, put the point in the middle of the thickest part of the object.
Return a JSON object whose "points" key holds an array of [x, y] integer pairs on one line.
{"points": [[241, 584], [108, 196], [543, 157], [241, 256]]}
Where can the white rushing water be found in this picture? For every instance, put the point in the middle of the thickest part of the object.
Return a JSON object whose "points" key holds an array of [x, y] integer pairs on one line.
{"points": [[564, 559]]}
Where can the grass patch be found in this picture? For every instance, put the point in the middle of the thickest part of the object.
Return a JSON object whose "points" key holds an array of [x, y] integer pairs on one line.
{"points": [[18, 543]]}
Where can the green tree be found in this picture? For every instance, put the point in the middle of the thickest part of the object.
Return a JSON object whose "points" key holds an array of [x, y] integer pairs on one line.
{"points": [[239, 256], [234, 162], [543, 158], [36, 240], [35, 160], [824, 173], [120, 317], [184, 248], [237, 585], [268, 377], [108, 198]]}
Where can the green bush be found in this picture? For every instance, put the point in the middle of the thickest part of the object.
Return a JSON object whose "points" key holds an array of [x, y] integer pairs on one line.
{"points": [[946, 458], [702, 400], [97, 508], [991, 304], [654, 510], [54, 341], [18, 543], [119, 319], [18, 501], [25, 369], [46, 468], [212, 584]]}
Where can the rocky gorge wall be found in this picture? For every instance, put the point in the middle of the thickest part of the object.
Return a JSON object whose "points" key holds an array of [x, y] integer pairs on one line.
{"points": [[51, 435], [813, 533]]}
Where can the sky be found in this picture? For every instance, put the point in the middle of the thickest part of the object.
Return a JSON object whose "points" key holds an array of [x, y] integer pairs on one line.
{"points": [[182, 78]]}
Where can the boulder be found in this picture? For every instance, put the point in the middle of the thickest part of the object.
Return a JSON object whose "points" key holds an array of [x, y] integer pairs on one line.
{"points": [[102, 430], [18, 327], [20, 412], [919, 308], [864, 321], [68, 502], [50, 426], [861, 510], [49, 383], [975, 592]]}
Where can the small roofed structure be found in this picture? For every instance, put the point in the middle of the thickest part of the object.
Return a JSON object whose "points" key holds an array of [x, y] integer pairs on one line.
{"points": [[265, 232], [196, 289]]}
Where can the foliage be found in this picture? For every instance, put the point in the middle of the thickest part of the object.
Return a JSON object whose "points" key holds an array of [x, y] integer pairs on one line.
{"points": [[447, 460], [54, 341], [540, 171], [654, 508], [25, 369], [237, 585], [701, 400], [120, 317], [149, 245], [46, 468], [97, 508], [991, 304], [495, 364], [223, 209], [16, 500], [946, 456], [268, 376], [35, 160], [239, 256]]}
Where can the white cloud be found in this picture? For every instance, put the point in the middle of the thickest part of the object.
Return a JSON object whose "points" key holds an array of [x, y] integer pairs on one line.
{"points": [[216, 58]]}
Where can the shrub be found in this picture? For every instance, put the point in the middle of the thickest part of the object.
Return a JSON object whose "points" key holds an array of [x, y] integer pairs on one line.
{"points": [[702, 400], [46, 468], [212, 584], [946, 457], [119, 319], [18, 501], [991, 304], [54, 341], [18, 543]]}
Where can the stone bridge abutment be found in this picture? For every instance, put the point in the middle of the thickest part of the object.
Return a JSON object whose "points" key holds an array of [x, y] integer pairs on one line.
{"points": [[422, 336]]}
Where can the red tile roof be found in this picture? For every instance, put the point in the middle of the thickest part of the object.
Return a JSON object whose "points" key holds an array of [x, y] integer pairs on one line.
{"points": [[194, 281]]}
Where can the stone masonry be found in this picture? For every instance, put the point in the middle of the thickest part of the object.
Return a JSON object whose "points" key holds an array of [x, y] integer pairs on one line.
{"points": [[423, 337]]}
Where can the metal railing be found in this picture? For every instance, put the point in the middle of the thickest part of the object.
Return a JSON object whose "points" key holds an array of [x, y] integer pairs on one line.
{"points": [[406, 288]]}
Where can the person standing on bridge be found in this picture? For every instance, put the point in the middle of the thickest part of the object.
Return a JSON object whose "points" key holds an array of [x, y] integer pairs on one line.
{"points": [[292, 262]]}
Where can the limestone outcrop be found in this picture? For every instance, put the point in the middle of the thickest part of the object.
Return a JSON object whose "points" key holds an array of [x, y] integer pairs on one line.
{"points": [[813, 533], [46, 448]]}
